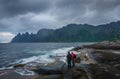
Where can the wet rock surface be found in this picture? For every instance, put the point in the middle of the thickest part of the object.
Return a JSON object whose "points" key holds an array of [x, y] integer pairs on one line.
{"points": [[105, 45], [107, 66], [55, 68], [104, 72], [11, 74], [107, 60]]}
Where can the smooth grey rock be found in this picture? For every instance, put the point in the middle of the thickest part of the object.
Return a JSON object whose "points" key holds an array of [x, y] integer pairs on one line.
{"points": [[55, 68]]}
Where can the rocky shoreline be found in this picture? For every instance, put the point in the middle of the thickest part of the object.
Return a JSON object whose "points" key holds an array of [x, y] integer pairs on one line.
{"points": [[96, 61], [106, 56]]}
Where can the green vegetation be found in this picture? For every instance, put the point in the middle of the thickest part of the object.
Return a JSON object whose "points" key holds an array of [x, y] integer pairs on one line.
{"points": [[73, 33]]}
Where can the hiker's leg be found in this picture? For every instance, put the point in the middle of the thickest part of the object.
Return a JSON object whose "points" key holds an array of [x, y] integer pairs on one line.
{"points": [[73, 64], [69, 65]]}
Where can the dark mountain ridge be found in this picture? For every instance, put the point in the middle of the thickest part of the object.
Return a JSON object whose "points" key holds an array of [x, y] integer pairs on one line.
{"points": [[73, 33]]}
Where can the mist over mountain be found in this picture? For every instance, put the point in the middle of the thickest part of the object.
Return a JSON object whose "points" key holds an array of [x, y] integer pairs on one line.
{"points": [[73, 33]]}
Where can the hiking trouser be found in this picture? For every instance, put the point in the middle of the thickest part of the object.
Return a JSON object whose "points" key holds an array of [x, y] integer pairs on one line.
{"points": [[69, 65], [73, 63]]}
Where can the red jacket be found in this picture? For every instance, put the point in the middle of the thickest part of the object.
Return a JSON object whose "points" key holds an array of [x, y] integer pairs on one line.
{"points": [[73, 55]]}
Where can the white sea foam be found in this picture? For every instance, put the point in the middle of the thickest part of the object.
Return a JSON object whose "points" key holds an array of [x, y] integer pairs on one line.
{"points": [[47, 57], [38, 59], [4, 68], [24, 72], [38, 52], [116, 52], [61, 53]]}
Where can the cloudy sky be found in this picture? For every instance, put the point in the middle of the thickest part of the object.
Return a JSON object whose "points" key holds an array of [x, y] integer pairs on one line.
{"points": [[31, 15]]}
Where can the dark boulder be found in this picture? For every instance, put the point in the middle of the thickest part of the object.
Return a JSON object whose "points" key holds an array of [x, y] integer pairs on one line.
{"points": [[76, 48], [19, 65], [55, 68], [104, 72]]}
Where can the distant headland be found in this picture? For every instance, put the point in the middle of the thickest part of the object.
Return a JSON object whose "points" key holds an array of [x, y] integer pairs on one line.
{"points": [[73, 33]]}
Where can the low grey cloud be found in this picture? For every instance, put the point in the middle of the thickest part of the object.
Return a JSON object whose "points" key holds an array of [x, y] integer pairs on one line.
{"points": [[90, 11], [31, 15], [10, 8]]}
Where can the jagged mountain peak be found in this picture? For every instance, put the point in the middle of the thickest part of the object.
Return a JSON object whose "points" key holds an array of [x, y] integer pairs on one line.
{"points": [[74, 33]]}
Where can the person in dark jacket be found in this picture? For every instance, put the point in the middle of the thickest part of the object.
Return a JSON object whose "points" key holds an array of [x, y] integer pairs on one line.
{"points": [[73, 56], [69, 60]]}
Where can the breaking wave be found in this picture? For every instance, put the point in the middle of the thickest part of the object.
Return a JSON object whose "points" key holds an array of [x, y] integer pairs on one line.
{"points": [[43, 57]]}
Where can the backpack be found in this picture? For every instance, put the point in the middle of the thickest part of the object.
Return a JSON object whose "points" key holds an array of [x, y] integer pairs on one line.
{"points": [[73, 56]]}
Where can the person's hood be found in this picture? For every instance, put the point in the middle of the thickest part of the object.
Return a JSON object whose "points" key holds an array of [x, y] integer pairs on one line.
{"points": [[72, 53]]}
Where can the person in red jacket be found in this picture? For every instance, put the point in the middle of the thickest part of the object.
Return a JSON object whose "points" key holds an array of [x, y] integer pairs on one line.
{"points": [[73, 56]]}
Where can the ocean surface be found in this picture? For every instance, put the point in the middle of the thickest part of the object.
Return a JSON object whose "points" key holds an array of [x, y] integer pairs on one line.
{"points": [[15, 53]]}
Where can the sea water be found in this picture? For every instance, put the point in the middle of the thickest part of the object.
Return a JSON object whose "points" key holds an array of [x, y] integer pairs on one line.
{"points": [[22, 53]]}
